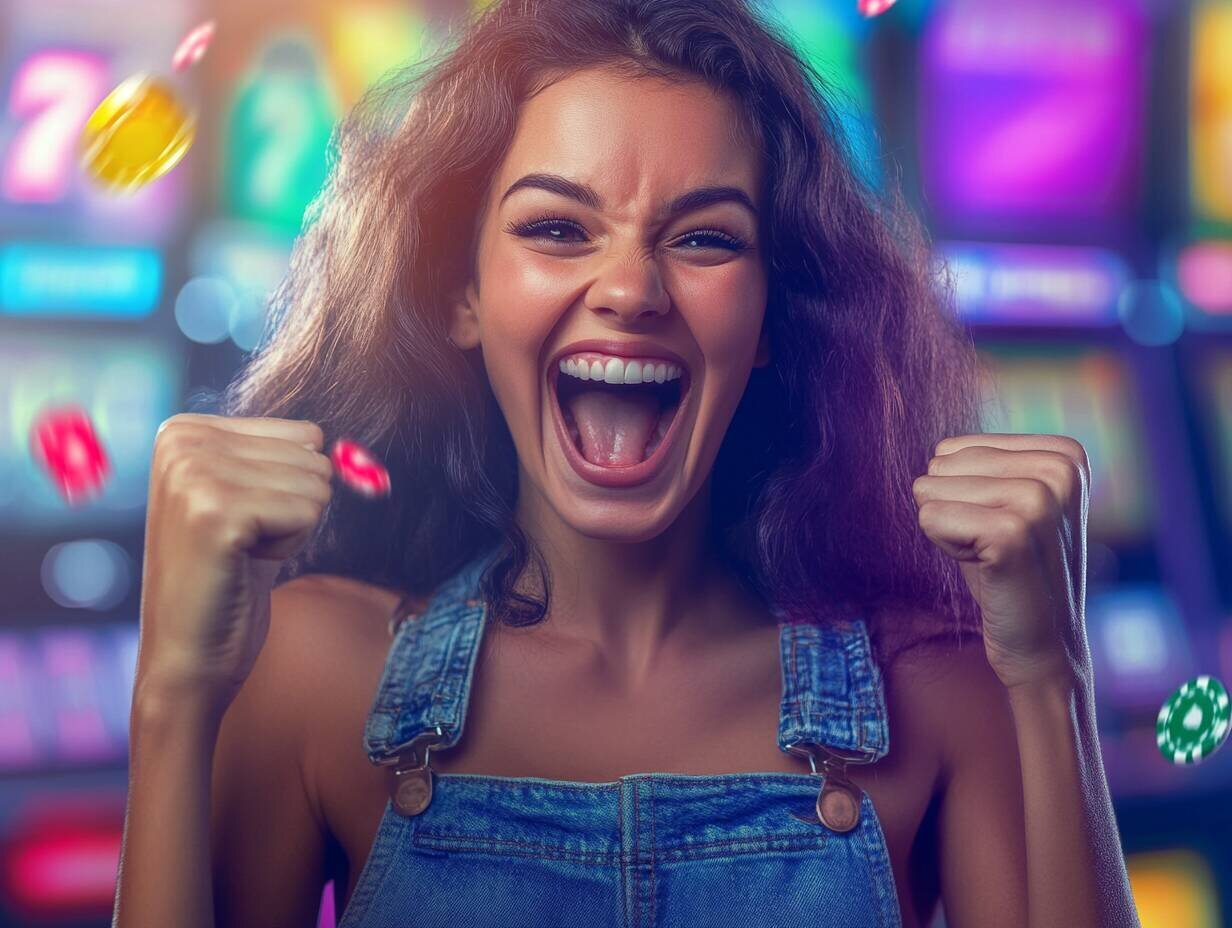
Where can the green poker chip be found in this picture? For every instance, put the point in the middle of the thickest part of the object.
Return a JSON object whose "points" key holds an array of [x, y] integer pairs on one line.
{"points": [[1193, 721]]}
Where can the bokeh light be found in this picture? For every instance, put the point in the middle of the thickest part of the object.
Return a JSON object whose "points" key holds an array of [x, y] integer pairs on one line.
{"points": [[204, 309], [1151, 312], [90, 573]]}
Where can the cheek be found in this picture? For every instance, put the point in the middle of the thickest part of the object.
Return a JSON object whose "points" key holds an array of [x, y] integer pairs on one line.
{"points": [[510, 357], [723, 307], [526, 297], [727, 334], [515, 321]]}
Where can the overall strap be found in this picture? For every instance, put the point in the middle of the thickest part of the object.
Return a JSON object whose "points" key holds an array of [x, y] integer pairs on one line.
{"points": [[429, 669], [833, 710], [832, 689]]}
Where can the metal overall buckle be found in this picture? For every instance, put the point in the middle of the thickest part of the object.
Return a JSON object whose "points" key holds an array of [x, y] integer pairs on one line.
{"points": [[411, 790], [839, 799]]}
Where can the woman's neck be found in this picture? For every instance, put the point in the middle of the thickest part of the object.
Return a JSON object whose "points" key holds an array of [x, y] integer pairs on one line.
{"points": [[636, 604]]}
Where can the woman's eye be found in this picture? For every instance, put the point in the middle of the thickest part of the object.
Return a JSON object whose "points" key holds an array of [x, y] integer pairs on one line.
{"points": [[722, 239], [549, 230], [539, 229]]}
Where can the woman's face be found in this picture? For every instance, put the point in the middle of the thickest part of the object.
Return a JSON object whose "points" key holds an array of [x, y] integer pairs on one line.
{"points": [[620, 270]]}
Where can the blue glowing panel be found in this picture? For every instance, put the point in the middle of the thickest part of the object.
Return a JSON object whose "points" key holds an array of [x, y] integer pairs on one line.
{"points": [[79, 281], [1139, 645], [127, 385], [1035, 285]]}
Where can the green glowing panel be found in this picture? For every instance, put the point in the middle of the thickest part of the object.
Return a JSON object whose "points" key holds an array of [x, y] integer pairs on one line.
{"points": [[278, 133], [830, 38]]}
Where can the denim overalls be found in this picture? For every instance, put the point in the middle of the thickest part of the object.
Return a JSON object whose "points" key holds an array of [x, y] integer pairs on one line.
{"points": [[649, 849]]}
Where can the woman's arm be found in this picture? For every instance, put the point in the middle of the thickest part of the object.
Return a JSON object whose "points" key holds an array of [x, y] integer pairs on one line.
{"points": [[1027, 833], [221, 829], [1011, 509], [164, 874], [1075, 869]]}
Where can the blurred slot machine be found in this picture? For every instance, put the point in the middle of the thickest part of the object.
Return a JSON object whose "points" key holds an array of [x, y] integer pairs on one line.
{"points": [[1141, 644], [1031, 117], [1199, 264], [83, 280], [1031, 133], [124, 305]]}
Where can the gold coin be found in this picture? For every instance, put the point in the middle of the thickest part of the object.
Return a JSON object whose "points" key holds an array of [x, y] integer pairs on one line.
{"points": [[138, 133]]}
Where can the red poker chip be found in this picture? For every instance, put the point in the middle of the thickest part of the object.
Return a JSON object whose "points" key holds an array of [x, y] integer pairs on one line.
{"points": [[872, 8], [65, 445], [192, 48], [356, 467]]}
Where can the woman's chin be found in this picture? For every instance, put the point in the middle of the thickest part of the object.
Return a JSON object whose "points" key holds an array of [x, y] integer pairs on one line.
{"points": [[618, 522]]}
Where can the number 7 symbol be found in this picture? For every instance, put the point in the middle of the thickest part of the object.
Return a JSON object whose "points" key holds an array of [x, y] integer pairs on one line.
{"points": [[54, 91]]}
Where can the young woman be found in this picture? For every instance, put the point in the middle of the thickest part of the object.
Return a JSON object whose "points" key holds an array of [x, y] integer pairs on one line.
{"points": [[690, 517]]}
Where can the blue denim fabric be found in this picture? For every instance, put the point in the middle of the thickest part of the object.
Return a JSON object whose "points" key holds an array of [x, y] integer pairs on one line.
{"points": [[649, 849]]}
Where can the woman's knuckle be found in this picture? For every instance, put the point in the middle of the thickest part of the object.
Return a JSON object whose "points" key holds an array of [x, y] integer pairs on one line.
{"points": [[1039, 503]]}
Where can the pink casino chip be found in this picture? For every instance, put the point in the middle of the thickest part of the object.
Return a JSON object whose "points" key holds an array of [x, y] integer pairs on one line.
{"points": [[872, 8], [358, 469], [66, 447], [192, 48]]}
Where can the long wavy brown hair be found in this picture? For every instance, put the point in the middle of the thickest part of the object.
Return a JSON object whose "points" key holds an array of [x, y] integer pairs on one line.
{"points": [[811, 489]]}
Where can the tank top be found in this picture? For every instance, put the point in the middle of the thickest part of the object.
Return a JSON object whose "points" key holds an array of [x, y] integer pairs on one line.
{"points": [[649, 850]]}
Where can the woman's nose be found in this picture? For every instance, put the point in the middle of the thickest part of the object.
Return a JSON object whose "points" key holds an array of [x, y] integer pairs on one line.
{"points": [[632, 291]]}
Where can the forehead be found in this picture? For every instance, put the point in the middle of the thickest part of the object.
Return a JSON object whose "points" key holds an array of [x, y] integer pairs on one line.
{"points": [[636, 140]]}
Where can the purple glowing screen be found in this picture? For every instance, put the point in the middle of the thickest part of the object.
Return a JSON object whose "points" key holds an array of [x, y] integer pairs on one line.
{"points": [[1032, 111]]}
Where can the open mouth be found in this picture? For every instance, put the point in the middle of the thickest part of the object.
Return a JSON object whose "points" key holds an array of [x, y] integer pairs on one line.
{"points": [[617, 424]]}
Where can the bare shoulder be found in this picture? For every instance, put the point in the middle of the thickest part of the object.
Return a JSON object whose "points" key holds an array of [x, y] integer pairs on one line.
{"points": [[333, 634], [325, 633], [942, 663], [322, 633], [332, 601], [956, 699], [981, 828]]}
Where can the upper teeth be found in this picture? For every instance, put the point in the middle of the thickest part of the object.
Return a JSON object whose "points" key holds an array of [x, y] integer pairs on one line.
{"points": [[619, 370]]}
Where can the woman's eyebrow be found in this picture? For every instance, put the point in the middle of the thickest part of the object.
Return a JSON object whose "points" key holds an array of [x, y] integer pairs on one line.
{"points": [[586, 195]]}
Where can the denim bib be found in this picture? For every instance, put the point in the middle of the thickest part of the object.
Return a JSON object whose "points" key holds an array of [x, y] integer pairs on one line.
{"points": [[651, 849]]}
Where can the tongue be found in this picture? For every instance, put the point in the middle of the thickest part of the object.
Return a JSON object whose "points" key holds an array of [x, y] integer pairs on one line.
{"points": [[614, 427]]}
